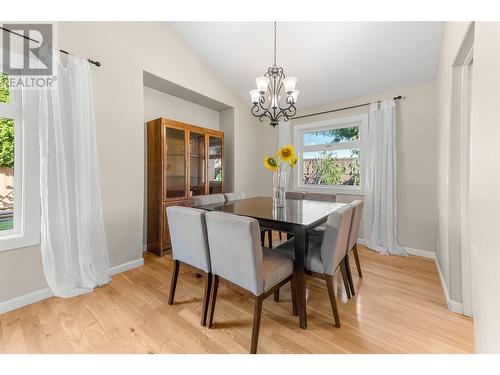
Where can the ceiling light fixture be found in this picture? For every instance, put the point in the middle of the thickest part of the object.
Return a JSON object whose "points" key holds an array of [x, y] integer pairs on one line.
{"points": [[267, 97]]}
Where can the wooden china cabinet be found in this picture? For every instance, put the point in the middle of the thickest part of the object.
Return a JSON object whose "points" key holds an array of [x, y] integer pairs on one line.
{"points": [[183, 160]]}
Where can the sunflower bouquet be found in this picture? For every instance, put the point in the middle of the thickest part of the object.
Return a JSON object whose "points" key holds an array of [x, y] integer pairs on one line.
{"points": [[285, 156], [277, 164]]}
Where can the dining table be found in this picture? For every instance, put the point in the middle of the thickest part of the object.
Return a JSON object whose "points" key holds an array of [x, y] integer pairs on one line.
{"points": [[296, 218]]}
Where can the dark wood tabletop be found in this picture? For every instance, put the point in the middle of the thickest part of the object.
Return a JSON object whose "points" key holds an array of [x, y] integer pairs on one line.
{"points": [[297, 212]]}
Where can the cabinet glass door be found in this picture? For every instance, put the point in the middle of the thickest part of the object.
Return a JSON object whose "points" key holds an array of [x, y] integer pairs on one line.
{"points": [[197, 164], [215, 165], [176, 172]]}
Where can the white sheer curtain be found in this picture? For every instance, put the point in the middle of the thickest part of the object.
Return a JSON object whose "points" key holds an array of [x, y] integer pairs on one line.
{"points": [[380, 230], [73, 243]]}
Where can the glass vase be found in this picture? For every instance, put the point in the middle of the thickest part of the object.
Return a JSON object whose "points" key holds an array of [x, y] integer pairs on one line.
{"points": [[279, 184]]}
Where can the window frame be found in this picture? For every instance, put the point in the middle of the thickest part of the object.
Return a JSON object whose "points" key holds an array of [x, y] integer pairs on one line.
{"points": [[26, 218], [337, 123]]}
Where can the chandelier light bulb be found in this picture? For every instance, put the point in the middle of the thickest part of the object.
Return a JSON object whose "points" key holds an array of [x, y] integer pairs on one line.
{"points": [[262, 84], [289, 83], [255, 95], [293, 96]]}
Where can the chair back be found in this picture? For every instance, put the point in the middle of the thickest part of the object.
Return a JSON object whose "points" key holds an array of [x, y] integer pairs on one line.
{"points": [[333, 247], [200, 200], [324, 197], [188, 235], [234, 196], [296, 195], [235, 250], [357, 213]]}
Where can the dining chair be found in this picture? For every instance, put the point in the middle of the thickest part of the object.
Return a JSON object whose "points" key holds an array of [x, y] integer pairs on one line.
{"points": [[237, 256], [188, 235], [352, 244], [296, 195], [326, 253], [324, 197], [200, 200], [231, 197]]}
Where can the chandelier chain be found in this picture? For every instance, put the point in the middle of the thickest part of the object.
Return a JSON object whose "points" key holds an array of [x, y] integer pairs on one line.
{"points": [[275, 27]]}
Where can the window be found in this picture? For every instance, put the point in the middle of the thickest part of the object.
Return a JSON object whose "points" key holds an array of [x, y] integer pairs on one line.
{"points": [[19, 193], [8, 116], [330, 154]]}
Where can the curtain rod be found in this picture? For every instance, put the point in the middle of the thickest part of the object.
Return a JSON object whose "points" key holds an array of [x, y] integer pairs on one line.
{"points": [[96, 63], [341, 109]]}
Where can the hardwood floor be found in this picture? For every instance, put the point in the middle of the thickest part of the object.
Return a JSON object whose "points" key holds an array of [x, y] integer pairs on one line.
{"points": [[398, 308]]}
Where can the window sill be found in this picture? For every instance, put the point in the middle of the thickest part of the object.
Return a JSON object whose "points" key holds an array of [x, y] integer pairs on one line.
{"points": [[17, 241]]}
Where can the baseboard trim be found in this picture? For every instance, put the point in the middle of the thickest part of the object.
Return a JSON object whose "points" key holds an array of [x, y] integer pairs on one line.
{"points": [[25, 300], [410, 251], [421, 253], [126, 266], [39, 295], [452, 305]]}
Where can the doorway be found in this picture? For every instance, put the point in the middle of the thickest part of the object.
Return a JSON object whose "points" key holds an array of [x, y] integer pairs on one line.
{"points": [[465, 123]]}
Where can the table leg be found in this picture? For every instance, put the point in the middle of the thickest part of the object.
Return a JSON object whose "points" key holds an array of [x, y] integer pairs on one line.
{"points": [[301, 244]]}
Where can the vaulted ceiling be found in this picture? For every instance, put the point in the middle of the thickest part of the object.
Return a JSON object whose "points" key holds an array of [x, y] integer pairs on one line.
{"points": [[332, 60]]}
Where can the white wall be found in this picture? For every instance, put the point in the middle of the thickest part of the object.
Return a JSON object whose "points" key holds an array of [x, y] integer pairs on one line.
{"points": [[484, 182], [226, 119], [485, 187], [416, 156], [126, 49], [448, 252], [158, 104]]}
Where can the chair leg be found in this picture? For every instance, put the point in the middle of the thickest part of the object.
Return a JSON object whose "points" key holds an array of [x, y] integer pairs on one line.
{"points": [[280, 234], [347, 287], [173, 283], [206, 299], [213, 298], [277, 295], [270, 236], [256, 323], [262, 237], [293, 286], [333, 299], [356, 258], [349, 274]]}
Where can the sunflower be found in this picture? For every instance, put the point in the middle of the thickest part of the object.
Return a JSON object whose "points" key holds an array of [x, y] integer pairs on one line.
{"points": [[286, 153], [271, 163], [293, 161]]}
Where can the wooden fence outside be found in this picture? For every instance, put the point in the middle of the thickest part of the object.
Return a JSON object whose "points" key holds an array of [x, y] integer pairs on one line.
{"points": [[6, 188]]}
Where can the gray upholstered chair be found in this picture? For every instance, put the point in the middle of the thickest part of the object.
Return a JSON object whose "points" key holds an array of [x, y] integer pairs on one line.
{"points": [[235, 196], [238, 257], [324, 197], [352, 244], [296, 195], [230, 197], [188, 234], [326, 253], [200, 200]]}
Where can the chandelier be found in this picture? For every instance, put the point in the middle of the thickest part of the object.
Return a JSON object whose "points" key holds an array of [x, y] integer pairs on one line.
{"points": [[275, 95]]}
